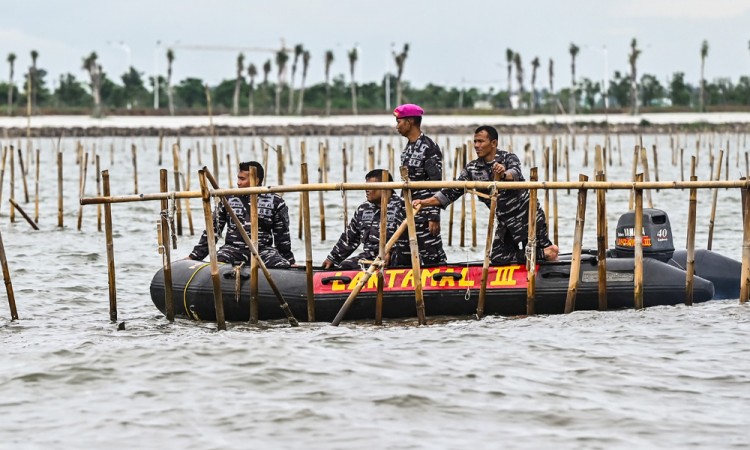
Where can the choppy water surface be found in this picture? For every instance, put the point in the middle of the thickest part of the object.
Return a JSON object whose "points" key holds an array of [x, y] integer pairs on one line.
{"points": [[669, 377]]}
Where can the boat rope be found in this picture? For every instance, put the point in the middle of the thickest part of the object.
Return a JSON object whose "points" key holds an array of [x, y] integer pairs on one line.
{"points": [[192, 314], [172, 210], [237, 282], [531, 255]]}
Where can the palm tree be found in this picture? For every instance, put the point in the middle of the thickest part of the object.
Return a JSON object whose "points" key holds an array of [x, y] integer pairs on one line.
{"points": [[90, 64], [509, 54], [266, 72], [11, 63], [281, 59], [252, 72], [328, 62], [352, 65], [238, 85], [519, 77], [704, 54], [635, 52], [573, 92], [305, 66], [551, 75], [170, 60], [32, 74], [298, 50], [534, 67], [400, 59]]}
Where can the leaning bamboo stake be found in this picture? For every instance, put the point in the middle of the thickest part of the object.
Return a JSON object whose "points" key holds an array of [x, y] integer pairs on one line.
{"points": [[638, 251], [647, 176], [218, 301], [164, 249], [575, 264], [24, 215], [487, 249], [176, 173], [450, 208], [308, 247], [381, 249], [714, 199], [186, 183], [60, 189], [82, 188], [215, 159], [98, 192], [12, 195], [23, 177], [36, 189], [253, 250], [531, 248], [690, 259], [414, 248], [8, 283], [134, 151], [321, 202], [745, 271], [2, 175], [601, 241], [110, 247], [254, 299]]}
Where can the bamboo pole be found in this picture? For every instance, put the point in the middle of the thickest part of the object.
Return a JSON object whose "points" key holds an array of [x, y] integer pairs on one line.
{"points": [[714, 199], [638, 251], [745, 271], [134, 152], [373, 266], [2, 175], [186, 184], [82, 188], [450, 208], [487, 249], [545, 163], [473, 199], [343, 195], [24, 215], [575, 264], [601, 241], [254, 299], [690, 259], [647, 176], [215, 159], [36, 189], [161, 145], [218, 302], [98, 192], [8, 283], [567, 167], [303, 160], [23, 177], [531, 248], [308, 247], [110, 247], [381, 249], [682, 166], [12, 195], [164, 248], [280, 164], [636, 155], [462, 240], [176, 174], [414, 248], [321, 202], [556, 227], [253, 250], [60, 189], [656, 164]]}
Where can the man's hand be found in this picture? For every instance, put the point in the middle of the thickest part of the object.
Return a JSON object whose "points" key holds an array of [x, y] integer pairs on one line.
{"points": [[327, 264], [432, 201], [499, 169], [434, 227]]}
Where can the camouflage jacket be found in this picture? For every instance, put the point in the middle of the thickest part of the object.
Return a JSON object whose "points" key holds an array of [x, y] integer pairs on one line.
{"points": [[424, 160]]}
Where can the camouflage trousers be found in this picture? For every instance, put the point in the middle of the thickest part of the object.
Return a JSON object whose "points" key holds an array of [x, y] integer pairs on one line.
{"points": [[512, 235], [236, 256], [430, 246]]}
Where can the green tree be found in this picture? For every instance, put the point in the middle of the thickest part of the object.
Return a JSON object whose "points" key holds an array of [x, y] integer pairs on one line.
{"points": [[134, 88], [573, 49], [704, 54], [619, 89], [298, 50], [11, 87], [534, 68], [651, 90], [679, 91], [590, 91], [191, 93], [252, 72], [519, 78], [33, 74], [70, 92], [305, 67], [281, 60], [352, 65], [328, 62], [170, 94], [92, 66]]}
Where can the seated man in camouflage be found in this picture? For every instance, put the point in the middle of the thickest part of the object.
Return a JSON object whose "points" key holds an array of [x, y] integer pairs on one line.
{"points": [[512, 232], [274, 243], [364, 228]]}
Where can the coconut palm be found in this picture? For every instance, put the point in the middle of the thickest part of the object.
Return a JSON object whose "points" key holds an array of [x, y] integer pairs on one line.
{"points": [[90, 64], [519, 77], [509, 54], [11, 64], [534, 67], [170, 60], [305, 66], [252, 72], [298, 50], [400, 59], [635, 52], [238, 84], [704, 54], [32, 75], [266, 70], [352, 64], [281, 60], [573, 49], [551, 75], [328, 62]]}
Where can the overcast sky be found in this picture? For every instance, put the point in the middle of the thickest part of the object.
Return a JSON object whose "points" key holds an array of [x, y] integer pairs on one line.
{"points": [[450, 41]]}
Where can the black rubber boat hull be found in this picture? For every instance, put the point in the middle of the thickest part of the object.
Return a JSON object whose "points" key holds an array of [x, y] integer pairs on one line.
{"points": [[451, 290], [723, 272]]}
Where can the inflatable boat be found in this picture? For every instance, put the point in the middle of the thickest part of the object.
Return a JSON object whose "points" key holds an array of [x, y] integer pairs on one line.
{"points": [[453, 289]]}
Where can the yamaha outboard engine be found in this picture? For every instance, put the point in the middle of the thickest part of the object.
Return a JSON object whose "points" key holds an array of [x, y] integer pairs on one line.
{"points": [[657, 235]]}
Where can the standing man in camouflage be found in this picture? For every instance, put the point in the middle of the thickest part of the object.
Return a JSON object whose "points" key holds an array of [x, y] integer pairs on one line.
{"points": [[274, 242], [423, 158], [512, 232], [364, 228]]}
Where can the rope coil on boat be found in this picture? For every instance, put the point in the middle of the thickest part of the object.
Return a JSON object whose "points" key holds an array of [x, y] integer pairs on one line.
{"points": [[172, 211]]}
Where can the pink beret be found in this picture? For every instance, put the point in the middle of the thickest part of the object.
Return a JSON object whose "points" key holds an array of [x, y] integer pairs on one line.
{"points": [[408, 110]]}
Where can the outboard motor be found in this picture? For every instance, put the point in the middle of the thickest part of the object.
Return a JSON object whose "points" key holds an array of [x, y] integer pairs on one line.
{"points": [[657, 235]]}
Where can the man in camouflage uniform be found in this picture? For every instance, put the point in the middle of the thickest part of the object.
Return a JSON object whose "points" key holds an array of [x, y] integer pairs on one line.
{"points": [[274, 242], [364, 228], [423, 158], [512, 213]]}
